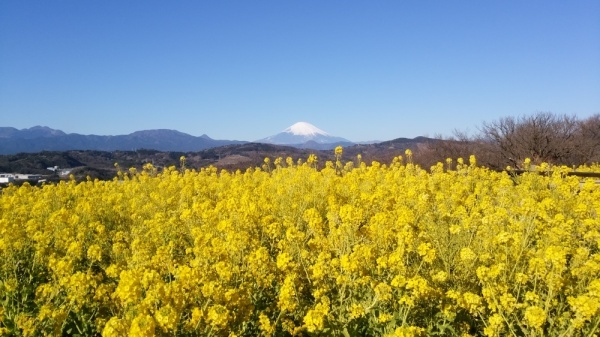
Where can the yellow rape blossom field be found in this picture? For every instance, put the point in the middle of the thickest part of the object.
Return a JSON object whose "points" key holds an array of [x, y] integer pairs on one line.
{"points": [[294, 248]]}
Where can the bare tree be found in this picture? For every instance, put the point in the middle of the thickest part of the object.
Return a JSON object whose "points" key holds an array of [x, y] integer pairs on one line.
{"points": [[543, 137], [588, 140]]}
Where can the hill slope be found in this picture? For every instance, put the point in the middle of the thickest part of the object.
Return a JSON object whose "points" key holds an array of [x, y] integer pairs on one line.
{"points": [[101, 164]]}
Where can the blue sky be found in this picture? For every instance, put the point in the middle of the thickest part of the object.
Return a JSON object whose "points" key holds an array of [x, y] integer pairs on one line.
{"points": [[249, 69]]}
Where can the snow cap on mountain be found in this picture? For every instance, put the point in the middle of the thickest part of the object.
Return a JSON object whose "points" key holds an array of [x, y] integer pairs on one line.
{"points": [[305, 129], [305, 135]]}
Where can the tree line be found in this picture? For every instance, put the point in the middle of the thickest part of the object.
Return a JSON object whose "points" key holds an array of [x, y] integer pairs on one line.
{"points": [[542, 137]]}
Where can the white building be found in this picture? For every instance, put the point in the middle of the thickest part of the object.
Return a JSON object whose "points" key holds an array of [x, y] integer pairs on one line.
{"points": [[6, 178], [20, 176]]}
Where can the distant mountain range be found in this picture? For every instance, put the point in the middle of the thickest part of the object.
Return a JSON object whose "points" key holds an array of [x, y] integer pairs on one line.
{"points": [[301, 135], [41, 138]]}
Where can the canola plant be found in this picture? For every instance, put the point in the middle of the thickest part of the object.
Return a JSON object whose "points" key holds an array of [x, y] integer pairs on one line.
{"points": [[292, 249]]}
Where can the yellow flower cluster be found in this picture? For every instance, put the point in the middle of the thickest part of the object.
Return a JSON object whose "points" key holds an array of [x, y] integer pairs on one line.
{"points": [[290, 249]]}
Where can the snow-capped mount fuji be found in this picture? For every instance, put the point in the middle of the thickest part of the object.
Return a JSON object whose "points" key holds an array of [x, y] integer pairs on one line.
{"points": [[306, 135]]}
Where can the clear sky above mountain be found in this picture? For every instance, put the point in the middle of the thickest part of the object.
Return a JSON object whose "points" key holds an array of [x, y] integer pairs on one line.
{"points": [[249, 69]]}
